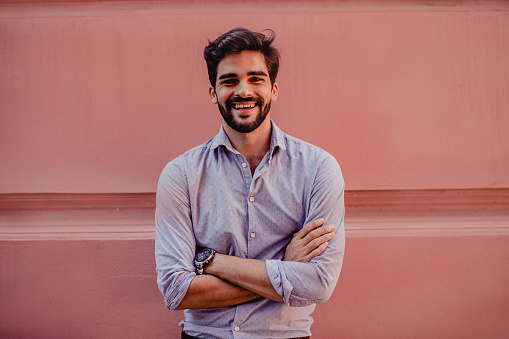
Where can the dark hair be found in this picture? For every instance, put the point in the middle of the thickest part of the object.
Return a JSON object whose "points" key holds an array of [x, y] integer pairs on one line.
{"points": [[238, 40]]}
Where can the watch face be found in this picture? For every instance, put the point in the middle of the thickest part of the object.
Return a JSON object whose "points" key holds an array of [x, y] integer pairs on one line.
{"points": [[203, 254]]}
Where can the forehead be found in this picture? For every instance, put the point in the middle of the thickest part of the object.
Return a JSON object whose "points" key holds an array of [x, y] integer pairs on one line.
{"points": [[242, 63]]}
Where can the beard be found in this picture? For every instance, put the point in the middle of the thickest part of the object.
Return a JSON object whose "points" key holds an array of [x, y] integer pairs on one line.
{"points": [[229, 118]]}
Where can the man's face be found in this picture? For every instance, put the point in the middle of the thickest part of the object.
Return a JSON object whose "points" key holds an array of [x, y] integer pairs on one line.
{"points": [[243, 90]]}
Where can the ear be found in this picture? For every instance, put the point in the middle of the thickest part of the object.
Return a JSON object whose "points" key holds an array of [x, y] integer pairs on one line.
{"points": [[275, 90], [213, 95]]}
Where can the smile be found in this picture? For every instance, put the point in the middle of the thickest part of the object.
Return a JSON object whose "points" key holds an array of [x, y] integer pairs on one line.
{"points": [[239, 106]]}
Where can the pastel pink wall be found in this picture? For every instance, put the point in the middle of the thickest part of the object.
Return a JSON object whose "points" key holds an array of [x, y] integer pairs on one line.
{"points": [[410, 97], [97, 97], [447, 288]]}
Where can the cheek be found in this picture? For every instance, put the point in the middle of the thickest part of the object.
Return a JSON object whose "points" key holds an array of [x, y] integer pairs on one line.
{"points": [[222, 95]]}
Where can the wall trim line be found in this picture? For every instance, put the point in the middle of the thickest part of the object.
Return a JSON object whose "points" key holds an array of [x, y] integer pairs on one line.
{"points": [[369, 213]]}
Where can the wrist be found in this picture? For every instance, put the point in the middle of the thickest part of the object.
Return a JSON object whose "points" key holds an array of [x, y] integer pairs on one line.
{"points": [[214, 263]]}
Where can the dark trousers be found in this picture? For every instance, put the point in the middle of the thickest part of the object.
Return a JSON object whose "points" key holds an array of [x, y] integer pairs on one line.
{"points": [[187, 336]]}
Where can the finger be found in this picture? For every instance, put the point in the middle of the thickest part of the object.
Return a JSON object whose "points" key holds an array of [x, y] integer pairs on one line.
{"points": [[317, 251], [310, 227], [318, 232], [313, 244]]}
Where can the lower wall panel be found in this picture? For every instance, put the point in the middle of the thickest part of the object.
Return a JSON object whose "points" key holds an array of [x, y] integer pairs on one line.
{"points": [[390, 287], [81, 289], [420, 287]]}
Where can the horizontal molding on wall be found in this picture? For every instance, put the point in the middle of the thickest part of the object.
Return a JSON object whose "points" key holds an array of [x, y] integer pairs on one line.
{"points": [[77, 216], [433, 212], [53, 216], [74, 7], [377, 2], [429, 202]]}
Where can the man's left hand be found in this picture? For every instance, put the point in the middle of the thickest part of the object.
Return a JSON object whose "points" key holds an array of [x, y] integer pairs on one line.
{"points": [[309, 242]]}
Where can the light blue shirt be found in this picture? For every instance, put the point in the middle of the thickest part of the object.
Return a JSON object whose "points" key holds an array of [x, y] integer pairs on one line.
{"points": [[208, 197]]}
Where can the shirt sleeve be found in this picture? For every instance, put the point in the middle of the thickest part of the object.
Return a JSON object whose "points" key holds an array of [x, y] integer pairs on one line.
{"points": [[302, 284], [175, 243]]}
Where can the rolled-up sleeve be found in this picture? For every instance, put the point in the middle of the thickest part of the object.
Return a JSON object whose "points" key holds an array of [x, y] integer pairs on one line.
{"points": [[302, 284], [175, 241]]}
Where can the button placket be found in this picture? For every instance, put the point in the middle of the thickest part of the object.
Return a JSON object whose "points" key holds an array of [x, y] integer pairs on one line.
{"points": [[252, 234], [245, 170]]}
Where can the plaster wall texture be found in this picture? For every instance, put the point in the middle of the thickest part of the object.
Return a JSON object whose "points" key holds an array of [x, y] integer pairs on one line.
{"points": [[442, 287], [410, 97], [97, 97]]}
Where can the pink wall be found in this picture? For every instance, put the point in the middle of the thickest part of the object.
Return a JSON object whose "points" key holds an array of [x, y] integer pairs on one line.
{"points": [[447, 287], [410, 97], [98, 97]]}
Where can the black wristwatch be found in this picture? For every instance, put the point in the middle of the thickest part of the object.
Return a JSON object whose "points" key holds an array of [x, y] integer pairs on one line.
{"points": [[202, 258]]}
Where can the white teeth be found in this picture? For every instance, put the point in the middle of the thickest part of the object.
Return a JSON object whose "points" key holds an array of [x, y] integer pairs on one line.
{"points": [[245, 106]]}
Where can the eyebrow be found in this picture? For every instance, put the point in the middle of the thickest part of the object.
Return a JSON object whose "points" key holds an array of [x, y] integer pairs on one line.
{"points": [[234, 75], [227, 75], [262, 73]]}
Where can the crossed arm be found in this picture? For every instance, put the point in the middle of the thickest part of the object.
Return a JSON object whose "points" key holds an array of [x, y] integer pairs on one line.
{"points": [[230, 280], [303, 277]]}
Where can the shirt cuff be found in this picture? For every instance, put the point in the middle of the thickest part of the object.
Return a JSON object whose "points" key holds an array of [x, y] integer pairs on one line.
{"points": [[278, 279]]}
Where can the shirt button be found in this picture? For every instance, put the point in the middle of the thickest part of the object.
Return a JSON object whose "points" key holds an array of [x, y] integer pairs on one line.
{"points": [[236, 328], [244, 165], [251, 199], [253, 235]]}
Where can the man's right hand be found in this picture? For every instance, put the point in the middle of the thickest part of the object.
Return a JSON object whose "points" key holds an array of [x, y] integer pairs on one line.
{"points": [[309, 242]]}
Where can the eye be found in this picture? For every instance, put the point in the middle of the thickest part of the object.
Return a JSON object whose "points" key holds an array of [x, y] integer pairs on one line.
{"points": [[256, 79], [229, 82]]}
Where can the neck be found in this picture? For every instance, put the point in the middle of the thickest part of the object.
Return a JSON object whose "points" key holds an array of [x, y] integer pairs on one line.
{"points": [[253, 145]]}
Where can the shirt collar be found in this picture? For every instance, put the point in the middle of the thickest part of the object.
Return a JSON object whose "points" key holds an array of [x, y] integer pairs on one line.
{"points": [[277, 139], [221, 139]]}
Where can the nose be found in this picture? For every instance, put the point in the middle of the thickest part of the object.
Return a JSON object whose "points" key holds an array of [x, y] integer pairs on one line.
{"points": [[244, 90]]}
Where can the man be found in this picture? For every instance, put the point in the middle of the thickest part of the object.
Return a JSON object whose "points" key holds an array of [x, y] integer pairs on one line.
{"points": [[249, 225]]}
